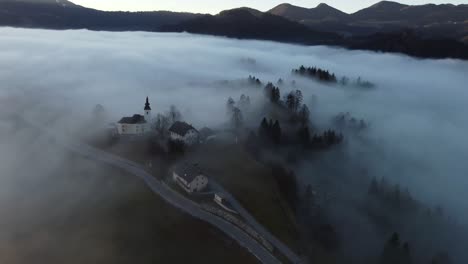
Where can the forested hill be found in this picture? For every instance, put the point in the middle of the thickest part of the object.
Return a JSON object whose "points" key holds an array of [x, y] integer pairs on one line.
{"points": [[53, 14], [248, 23], [243, 23]]}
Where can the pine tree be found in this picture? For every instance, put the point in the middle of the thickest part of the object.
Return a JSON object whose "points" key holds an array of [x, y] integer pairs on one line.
{"points": [[304, 115], [263, 131], [374, 187], [304, 135], [299, 99], [276, 132], [441, 258], [406, 254], [291, 101], [237, 118], [174, 114], [391, 252]]}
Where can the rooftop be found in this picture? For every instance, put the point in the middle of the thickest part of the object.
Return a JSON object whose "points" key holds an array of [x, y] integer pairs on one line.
{"points": [[181, 128], [188, 171], [135, 119]]}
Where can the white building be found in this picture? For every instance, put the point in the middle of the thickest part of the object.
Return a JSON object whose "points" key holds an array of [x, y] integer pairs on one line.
{"points": [[184, 132], [137, 124], [190, 177]]}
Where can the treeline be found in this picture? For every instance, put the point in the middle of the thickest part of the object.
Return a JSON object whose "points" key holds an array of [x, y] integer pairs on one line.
{"points": [[397, 252], [316, 73], [234, 111], [252, 80], [391, 208], [344, 121], [391, 196], [297, 118], [326, 76], [359, 82]]}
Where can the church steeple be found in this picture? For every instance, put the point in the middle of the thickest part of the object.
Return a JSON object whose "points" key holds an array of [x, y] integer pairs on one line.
{"points": [[147, 105], [147, 110]]}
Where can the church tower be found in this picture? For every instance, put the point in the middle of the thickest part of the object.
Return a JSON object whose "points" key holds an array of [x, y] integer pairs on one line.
{"points": [[147, 110]]}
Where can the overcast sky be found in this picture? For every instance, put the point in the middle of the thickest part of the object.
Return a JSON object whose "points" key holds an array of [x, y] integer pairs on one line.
{"points": [[214, 6]]}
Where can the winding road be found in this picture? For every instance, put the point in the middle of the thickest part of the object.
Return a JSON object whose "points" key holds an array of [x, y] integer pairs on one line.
{"points": [[179, 201]]}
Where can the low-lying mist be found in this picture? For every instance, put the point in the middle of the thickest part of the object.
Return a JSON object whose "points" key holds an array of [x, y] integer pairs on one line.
{"points": [[416, 113]]}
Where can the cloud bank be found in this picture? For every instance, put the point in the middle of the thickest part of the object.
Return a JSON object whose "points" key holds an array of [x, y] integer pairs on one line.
{"points": [[417, 112]]}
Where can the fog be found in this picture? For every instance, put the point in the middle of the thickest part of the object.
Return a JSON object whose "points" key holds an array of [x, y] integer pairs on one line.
{"points": [[417, 112]]}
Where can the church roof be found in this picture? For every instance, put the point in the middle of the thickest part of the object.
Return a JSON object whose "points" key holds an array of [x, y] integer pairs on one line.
{"points": [[181, 128], [135, 119]]}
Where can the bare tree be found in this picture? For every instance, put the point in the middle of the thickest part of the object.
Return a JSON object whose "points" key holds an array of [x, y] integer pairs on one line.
{"points": [[237, 119], [174, 115], [161, 125]]}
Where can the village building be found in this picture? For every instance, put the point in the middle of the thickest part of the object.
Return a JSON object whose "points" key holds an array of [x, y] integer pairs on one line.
{"points": [[190, 177], [136, 124], [184, 132]]}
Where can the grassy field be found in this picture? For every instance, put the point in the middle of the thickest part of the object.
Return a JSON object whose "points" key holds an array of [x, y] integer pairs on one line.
{"points": [[83, 212], [251, 183]]}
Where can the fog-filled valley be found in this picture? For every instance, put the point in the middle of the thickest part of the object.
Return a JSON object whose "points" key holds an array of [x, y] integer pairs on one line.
{"points": [[402, 121]]}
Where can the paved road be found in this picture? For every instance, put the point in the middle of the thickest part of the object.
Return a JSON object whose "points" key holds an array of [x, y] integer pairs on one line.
{"points": [[169, 195], [280, 246]]}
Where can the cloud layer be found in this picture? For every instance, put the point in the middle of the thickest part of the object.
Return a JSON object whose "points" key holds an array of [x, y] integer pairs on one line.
{"points": [[417, 112]]}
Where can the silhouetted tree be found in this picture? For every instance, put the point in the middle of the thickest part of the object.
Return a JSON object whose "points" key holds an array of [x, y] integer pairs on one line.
{"points": [[174, 114], [441, 258], [237, 118], [391, 253], [263, 131], [275, 95], [252, 144], [99, 113], [304, 115], [276, 132], [291, 101], [304, 135], [299, 99], [244, 102], [374, 187], [230, 104], [254, 81], [316, 73], [161, 125], [406, 254]]}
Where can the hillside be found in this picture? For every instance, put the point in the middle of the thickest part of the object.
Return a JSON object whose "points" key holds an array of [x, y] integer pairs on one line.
{"points": [[322, 12], [74, 210], [66, 15], [443, 20], [246, 23], [365, 29]]}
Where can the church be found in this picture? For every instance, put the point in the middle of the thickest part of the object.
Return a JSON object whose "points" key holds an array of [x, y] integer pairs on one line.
{"points": [[136, 124]]}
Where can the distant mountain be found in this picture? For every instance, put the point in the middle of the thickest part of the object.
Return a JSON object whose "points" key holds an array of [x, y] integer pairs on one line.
{"points": [[410, 43], [253, 24], [432, 20], [435, 29], [382, 11], [62, 14], [322, 12]]}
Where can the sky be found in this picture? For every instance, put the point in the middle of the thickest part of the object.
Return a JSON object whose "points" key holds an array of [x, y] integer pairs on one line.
{"points": [[215, 6]]}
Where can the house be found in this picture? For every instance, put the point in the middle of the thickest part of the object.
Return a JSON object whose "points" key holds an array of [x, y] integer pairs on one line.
{"points": [[136, 124], [190, 177], [184, 132]]}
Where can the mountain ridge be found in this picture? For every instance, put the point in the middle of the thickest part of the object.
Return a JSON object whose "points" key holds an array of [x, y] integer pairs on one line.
{"points": [[321, 25]]}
